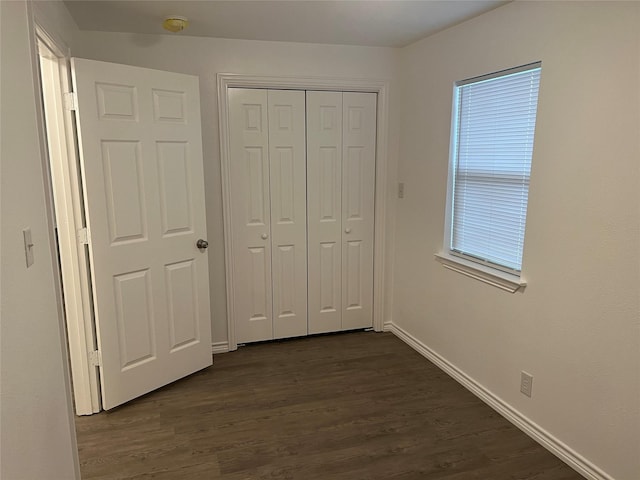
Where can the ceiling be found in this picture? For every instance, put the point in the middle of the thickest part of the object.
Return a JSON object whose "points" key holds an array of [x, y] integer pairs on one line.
{"points": [[382, 23]]}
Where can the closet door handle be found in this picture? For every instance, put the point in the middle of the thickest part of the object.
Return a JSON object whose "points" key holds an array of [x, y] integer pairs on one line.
{"points": [[347, 231], [264, 236]]}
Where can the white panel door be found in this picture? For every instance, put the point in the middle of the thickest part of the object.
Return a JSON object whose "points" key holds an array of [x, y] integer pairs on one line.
{"points": [[324, 210], [341, 139], [250, 214], [358, 181], [287, 167], [141, 154], [268, 210]]}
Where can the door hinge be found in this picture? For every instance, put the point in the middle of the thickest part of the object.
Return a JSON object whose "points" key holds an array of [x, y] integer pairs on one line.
{"points": [[95, 358], [70, 101], [83, 236]]}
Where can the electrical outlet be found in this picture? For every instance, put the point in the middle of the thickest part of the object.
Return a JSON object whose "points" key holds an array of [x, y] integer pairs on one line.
{"points": [[401, 190], [526, 383]]}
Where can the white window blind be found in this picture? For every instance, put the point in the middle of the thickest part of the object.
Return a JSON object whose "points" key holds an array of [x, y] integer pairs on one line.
{"points": [[493, 145]]}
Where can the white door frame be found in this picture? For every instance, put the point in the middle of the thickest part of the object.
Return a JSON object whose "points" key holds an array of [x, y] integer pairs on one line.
{"points": [[64, 170], [381, 87]]}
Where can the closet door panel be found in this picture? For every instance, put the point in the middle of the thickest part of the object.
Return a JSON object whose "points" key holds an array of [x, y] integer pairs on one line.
{"points": [[287, 170], [251, 214], [324, 210], [358, 180]]}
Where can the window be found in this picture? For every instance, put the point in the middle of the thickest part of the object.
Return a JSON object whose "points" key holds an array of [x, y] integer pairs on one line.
{"points": [[491, 149]]}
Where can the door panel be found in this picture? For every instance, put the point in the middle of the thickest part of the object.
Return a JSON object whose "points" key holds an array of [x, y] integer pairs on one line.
{"points": [[324, 205], [329, 185], [134, 314], [124, 187], [175, 200], [287, 163], [260, 293], [285, 278], [169, 106], [282, 182], [182, 304], [353, 274], [141, 155], [358, 181], [329, 263], [250, 212]]}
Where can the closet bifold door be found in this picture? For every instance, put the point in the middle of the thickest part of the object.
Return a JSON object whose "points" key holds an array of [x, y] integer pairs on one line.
{"points": [[341, 138], [358, 199], [324, 210], [250, 214], [287, 160], [268, 213]]}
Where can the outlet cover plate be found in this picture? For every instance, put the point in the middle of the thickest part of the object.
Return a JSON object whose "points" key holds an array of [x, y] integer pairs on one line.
{"points": [[526, 383]]}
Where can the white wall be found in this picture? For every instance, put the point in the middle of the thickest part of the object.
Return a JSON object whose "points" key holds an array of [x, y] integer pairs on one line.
{"points": [[37, 430], [576, 328], [206, 57]]}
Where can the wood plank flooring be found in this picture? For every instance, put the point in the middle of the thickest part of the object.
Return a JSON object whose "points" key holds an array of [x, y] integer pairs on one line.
{"points": [[352, 406]]}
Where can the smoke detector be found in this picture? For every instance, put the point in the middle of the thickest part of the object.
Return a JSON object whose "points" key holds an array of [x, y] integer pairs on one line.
{"points": [[175, 23]]}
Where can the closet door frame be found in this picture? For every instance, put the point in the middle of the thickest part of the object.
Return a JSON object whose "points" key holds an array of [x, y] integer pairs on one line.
{"points": [[380, 87]]}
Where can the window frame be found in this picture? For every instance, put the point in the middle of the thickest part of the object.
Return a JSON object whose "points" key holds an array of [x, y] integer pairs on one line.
{"points": [[481, 269]]}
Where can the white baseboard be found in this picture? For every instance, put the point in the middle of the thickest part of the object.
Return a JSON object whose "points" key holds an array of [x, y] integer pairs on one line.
{"points": [[219, 347], [387, 326], [544, 438]]}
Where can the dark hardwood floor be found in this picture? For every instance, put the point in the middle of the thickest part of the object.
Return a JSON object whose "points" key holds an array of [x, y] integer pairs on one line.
{"points": [[352, 406]]}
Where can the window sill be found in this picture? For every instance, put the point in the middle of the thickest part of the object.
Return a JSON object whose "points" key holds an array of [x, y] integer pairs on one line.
{"points": [[502, 280]]}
